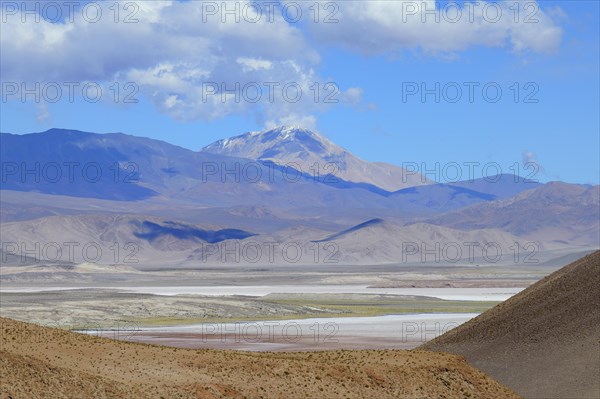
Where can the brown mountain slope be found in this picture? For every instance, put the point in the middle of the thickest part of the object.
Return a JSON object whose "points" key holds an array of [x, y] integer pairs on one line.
{"points": [[40, 362], [545, 341]]}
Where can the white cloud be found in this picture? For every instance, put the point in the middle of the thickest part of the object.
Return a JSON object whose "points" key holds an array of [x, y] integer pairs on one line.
{"points": [[306, 121], [253, 64], [378, 27], [353, 95], [530, 162], [171, 53], [174, 51], [43, 113], [171, 101]]}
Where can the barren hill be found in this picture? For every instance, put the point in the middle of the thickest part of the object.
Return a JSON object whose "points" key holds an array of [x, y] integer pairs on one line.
{"points": [[40, 362], [381, 241], [545, 341]]}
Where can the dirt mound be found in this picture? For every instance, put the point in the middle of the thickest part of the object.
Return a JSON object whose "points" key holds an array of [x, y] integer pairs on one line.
{"points": [[41, 362], [545, 341]]}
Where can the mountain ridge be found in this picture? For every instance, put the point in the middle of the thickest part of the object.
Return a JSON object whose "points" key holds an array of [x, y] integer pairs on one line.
{"points": [[312, 152], [171, 182]]}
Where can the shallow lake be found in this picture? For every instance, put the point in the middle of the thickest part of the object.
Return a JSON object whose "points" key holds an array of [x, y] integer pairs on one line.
{"points": [[377, 332]]}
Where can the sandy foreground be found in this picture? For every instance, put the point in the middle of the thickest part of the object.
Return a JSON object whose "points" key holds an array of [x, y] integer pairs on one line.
{"points": [[71, 365]]}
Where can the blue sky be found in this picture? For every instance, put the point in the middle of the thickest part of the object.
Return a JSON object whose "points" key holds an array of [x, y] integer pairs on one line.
{"points": [[371, 54]]}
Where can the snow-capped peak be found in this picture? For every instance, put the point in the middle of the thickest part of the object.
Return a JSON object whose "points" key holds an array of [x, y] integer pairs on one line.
{"points": [[224, 143], [309, 151], [279, 142]]}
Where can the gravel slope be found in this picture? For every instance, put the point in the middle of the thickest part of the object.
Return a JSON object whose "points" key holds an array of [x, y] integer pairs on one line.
{"points": [[545, 341]]}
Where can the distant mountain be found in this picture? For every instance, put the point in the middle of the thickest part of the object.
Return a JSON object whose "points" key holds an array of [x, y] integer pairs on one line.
{"points": [[74, 163], [555, 211], [148, 241], [69, 173], [314, 155], [499, 186], [444, 197], [120, 167], [128, 239], [380, 241]]}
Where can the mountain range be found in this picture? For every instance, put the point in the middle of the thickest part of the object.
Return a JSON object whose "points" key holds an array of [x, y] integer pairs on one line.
{"points": [[277, 185]]}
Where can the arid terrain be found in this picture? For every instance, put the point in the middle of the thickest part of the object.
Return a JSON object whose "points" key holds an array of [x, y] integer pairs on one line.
{"points": [[272, 322], [382, 264], [103, 307], [71, 365], [543, 342], [362, 199]]}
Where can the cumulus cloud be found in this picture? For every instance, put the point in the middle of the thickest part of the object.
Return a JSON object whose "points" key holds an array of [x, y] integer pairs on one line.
{"points": [[190, 65], [194, 64], [379, 27]]}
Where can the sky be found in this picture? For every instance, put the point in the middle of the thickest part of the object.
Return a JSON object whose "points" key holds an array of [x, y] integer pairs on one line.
{"points": [[506, 86]]}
